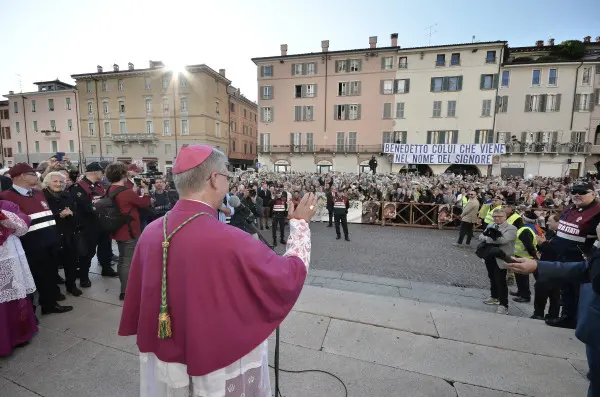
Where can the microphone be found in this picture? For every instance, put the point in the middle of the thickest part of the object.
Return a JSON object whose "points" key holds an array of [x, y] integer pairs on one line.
{"points": [[234, 201]]}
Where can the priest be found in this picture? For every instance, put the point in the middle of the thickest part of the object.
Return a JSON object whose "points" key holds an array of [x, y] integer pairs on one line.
{"points": [[203, 296]]}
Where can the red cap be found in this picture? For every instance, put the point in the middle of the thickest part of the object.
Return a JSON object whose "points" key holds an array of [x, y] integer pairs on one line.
{"points": [[190, 157], [20, 169], [134, 168]]}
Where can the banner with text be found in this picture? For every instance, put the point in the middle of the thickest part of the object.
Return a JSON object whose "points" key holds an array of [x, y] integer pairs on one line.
{"points": [[477, 154]]}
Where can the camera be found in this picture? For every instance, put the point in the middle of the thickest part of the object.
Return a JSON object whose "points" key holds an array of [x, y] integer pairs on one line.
{"points": [[151, 174], [252, 193]]}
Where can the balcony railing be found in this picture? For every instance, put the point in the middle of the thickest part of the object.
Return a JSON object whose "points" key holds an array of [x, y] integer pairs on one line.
{"points": [[558, 148], [320, 149], [134, 137]]}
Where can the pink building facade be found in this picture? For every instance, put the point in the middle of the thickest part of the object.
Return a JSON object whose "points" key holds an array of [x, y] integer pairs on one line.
{"points": [[6, 150], [44, 122]]}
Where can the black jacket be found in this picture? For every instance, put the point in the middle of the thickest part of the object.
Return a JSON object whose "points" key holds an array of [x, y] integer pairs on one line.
{"points": [[266, 197], [69, 225]]}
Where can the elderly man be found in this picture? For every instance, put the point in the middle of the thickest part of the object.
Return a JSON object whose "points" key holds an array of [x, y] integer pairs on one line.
{"points": [[468, 219], [496, 267], [203, 314]]}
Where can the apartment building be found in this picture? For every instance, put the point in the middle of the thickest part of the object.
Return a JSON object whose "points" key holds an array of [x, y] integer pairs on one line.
{"points": [[149, 114], [333, 110], [43, 122], [6, 149], [243, 130], [544, 110]]}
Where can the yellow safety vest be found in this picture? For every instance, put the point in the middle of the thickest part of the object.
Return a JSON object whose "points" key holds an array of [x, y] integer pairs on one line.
{"points": [[520, 249], [511, 219], [465, 200], [489, 219]]}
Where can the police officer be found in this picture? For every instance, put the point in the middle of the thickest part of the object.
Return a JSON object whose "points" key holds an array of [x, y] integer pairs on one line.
{"points": [[280, 213], [340, 212]]}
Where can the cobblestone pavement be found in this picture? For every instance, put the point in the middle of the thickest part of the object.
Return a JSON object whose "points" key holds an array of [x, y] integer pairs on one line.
{"points": [[396, 252]]}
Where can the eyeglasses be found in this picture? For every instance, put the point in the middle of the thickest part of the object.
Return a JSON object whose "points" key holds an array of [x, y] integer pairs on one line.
{"points": [[228, 176], [580, 192], [498, 216]]}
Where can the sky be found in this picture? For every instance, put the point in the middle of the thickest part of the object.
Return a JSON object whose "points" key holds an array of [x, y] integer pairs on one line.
{"points": [[45, 40]]}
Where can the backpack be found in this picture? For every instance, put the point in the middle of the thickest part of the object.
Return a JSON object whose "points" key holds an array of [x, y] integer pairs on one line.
{"points": [[109, 215]]}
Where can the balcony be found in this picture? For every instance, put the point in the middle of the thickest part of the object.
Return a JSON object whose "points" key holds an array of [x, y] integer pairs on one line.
{"points": [[490, 60], [552, 147], [320, 149], [134, 137], [51, 134]]}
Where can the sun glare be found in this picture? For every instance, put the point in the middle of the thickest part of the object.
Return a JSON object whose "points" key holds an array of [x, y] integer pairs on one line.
{"points": [[176, 67]]}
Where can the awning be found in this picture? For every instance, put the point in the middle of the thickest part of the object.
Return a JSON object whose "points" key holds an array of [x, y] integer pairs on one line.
{"points": [[124, 159], [149, 159]]}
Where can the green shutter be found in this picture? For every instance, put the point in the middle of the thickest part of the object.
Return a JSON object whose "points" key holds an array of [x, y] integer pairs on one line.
{"points": [[481, 81], [505, 103], [477, 133], [293, 69], [577, 102], [358, 112], [455, 137], [432, 84], [407, 86], [381, 86], [496, 80], [527, 103], [335, 111], [445, 84], [460, 79], [429, 137], [382, 63]]}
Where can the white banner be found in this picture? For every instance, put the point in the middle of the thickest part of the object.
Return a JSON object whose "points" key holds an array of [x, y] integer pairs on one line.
{"points": [[354, 212], [444, 154]]}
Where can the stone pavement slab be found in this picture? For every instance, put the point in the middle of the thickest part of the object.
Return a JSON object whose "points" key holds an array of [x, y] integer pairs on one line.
{"points": [[354, 286], [465, 390], [303, 329], [369, 309], [581, 366], [10, 389], [361, 378], [507, 332], [365, 278], [510, 371], [87, 369], [449, 289]]}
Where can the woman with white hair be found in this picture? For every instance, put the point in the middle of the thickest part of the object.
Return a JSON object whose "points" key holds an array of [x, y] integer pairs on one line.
{"points": [[62, 206]]}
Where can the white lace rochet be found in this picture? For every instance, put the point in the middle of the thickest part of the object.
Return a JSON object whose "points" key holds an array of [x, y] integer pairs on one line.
{"points": [[16, 281]]}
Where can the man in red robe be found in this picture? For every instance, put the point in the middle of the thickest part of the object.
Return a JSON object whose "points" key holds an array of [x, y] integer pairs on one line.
{"points": [[203, 296]]}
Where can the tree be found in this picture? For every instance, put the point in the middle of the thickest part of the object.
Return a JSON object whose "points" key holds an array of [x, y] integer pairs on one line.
{"points": [[570, 49]]}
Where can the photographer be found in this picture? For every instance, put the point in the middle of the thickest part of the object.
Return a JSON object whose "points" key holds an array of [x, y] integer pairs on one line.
{"points": [[242, 218], [162, 200]]}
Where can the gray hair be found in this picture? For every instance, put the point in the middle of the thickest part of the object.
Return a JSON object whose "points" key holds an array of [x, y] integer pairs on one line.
{"points": [[194, 180], [499, 211], [50, 175]]}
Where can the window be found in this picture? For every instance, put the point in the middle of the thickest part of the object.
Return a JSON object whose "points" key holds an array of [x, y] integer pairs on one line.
{"points": [[351, 142], [107, 128], [217, 129], [265, 141], [167, 127], [90, 108], [553, 77], [488, 81], [583, 102], [484, 136], [19, 147], [266, 71], [266, 92], [245, 148], [536, 77], [304, 69], [149, 127], [443, 84], [585, 77], [387, 86], [251, 131], [71, 146], [394, 137], [233, 107], [165, 81], [147, 83], [17, 127], [70, 125], [233, 145], [233, 126], [346, 112], [440, 60], [68, 103], [348, 65], [121, 106], [442, 137], [105, 85], [490, 57], [245, 113], [123, 127], [437, 109], [54, 146], [486, 107], [183, 83], [106, 107], [89, 86], [108, 149], [402, 63], [52, 125], [400, 110], [502, 104], [167, 148], [553, 102], [451, 109], [303, 113], [505, 78], [266, 114], [148, 105], [455, 59], [33, 106], [91, 131], [401, 86], [16, 107], [51, 105], [35, 126], [185, 127], [539, 103], [340, 142], [355, 65], [218, 108], [184, 104], [37, 146], [124, 149], [93, 149], [121, 85], [387, 63], [165, 105], [305, 90], [387, 110]]}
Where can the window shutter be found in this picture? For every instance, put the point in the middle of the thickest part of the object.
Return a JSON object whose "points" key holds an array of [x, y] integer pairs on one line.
{"points": [[382, 63], [505, 104], [481, 82], [347, 65], [592, 102], [398, 110], [407, 86], [385, 137], [315, 67], [432, 84], [477, 133], [574, 136], [445, 84], [346, 112], [360, 65], [528, 103], [358, 87], [293, 69], [577, 102], [262, 115], [358, 112], [490, 136], [498, 103], [538, 136], [303, 90], [542, 103], [262, 71], [460, 79], [337, 66], [335, 111], [272, 114], [297, 113], [381, 84], [396, 83], [597, 90], [429, 137], [554, 137], [455, 137], [524, 137], [292, 139], [304, 68], [314, 90], [441, 137], [496, 80]]}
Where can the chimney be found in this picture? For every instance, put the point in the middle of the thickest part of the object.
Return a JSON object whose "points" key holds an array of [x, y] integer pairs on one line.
{"points": [[99, 69], [597, 39], [11, 92], [238, 92], [539, 43], [551, 42], [373, 41], [325, 45], [587, 39], [283, 50], [222, 72], [115, 67], [130, 66], [394, 39]]}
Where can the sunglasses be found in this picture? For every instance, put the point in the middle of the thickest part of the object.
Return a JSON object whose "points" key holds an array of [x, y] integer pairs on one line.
{"points": [[580, 192]]}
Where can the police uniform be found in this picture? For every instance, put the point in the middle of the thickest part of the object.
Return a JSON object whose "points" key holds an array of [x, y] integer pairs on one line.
{"points": [[340, 214], [280, 212]]}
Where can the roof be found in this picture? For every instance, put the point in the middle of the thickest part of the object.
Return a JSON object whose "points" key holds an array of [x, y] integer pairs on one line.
{"points": [[54, 81], [397, 48], [232, 91], [198, 68]]}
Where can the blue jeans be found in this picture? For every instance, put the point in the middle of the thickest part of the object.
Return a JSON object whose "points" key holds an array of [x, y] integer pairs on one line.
{"points": [[593, 357]]}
